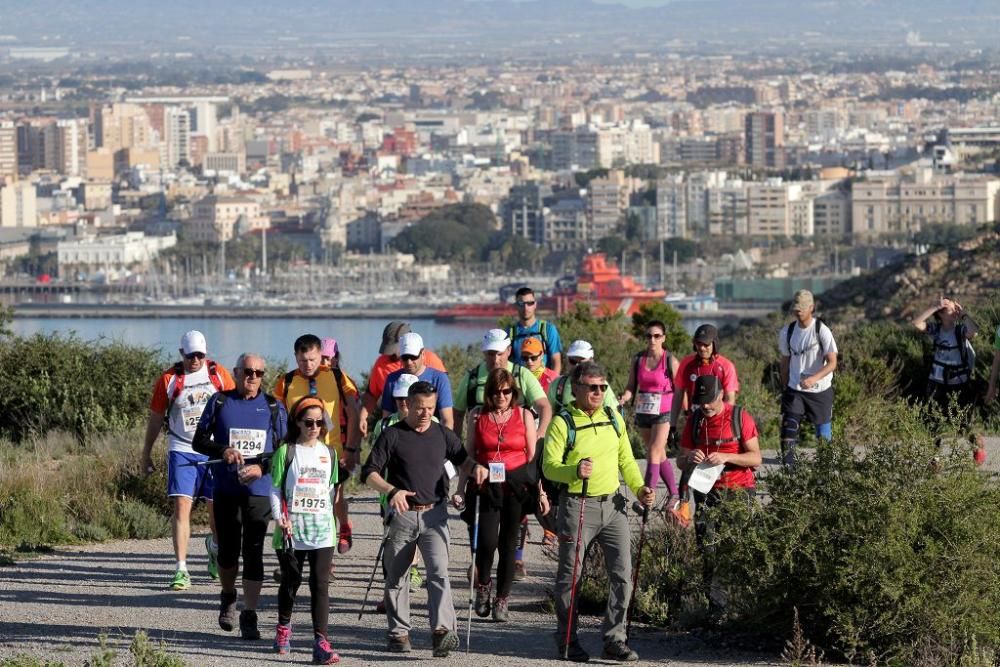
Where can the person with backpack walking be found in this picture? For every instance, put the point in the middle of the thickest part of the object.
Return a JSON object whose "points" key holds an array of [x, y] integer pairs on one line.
{"points": [[706, 360], [411, 353], [179, 397], [586, 448], [529, 326], [719, 452], [501, 437], [242, 427], [337, 391], [808, 360], [953, 364], [651, 385], [533, 356], [304, 481]]}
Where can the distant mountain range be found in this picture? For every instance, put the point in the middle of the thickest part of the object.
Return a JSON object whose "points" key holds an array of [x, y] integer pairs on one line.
{"points": [[578, 26]]}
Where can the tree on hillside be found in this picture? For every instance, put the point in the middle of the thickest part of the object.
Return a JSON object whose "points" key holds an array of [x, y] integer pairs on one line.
{"points": [[458, 232]]}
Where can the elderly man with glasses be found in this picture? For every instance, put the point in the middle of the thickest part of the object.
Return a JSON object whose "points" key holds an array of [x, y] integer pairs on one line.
{"points": [[586, 449], [179, 397], [242, 427]]}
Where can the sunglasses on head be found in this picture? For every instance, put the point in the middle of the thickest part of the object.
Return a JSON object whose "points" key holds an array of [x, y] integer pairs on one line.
{"points": [[522, 304], [253, 372], [506, 391], [194, 355], [311, 423], [594, 388]]}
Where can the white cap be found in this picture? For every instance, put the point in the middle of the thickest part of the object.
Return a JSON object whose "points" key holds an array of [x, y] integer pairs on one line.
{"points": [[193, 341], [496, 340], [403, 384], [580, 349], [410, 344]]}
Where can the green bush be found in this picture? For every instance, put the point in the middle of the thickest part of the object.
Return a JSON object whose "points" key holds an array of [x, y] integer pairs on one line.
{"points": [[63, 383]]}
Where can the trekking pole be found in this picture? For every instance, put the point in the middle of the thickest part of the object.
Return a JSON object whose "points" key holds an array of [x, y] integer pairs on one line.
{"points": [[576, 562], [472, 576], [635, 573], [378, 559]]}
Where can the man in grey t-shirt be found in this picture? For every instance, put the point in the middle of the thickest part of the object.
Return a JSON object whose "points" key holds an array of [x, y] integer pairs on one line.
{"points": [[808, 360]]}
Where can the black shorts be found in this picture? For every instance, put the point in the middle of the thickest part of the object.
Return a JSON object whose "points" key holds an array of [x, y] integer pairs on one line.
{"points": [[647, 421], [817, 407]]}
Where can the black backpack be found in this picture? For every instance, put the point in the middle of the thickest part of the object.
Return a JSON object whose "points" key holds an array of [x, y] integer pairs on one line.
{"points": [[735, 428], [818, 323], [637, 359]]}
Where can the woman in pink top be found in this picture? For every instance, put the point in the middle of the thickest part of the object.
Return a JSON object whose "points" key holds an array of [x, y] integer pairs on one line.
{"points": [[651, 385], [502, 438]]}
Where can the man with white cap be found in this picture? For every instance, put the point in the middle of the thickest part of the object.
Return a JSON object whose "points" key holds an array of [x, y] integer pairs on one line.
{"points": [[411, 353], [561, 390], [808, 359], [496, 349], [179, 397]]}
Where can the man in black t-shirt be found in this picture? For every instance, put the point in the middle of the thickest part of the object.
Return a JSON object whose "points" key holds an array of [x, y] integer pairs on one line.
{"points": [[414, 452]]}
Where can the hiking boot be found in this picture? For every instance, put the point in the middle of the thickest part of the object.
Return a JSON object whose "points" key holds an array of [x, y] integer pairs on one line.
{"points": [[444, 643], [181, 581], [416, 581], [575, 652], [519, 572], [500, 614], [398, 644], [248, 625], [619, 651], [323, 654], [282, 639], [212, 549], [483, 592], [227, 610], [345, 539]]}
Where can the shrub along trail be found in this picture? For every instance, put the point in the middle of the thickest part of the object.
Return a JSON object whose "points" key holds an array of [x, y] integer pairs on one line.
{"points": [[55, 606]]}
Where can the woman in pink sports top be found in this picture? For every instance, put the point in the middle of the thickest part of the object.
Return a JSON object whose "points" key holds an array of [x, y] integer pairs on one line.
{"points": [[651, 385]]}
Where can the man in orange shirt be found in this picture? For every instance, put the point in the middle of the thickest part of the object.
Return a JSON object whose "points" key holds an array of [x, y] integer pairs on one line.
{"points": [[179, 397], [389, 362]]}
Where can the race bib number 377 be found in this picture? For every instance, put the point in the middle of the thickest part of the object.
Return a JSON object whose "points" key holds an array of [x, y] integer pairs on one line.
{"points": [[248, 441]]}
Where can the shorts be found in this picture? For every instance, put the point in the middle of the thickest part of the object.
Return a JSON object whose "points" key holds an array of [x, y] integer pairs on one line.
{"points": [[185, 479], [817, 406], [648, 421]]}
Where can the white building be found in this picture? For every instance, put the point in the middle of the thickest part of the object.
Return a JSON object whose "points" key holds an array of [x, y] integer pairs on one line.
{"points": [[111, 253], [176, 145], [671, 208], [18, 205]]}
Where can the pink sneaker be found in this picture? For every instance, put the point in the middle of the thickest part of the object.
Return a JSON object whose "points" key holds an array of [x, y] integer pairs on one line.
{"points": [[323, 654], [282, 639]]}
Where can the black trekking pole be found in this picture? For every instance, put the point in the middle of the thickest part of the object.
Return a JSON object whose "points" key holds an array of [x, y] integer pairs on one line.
{"points": [[378, 559], [472, 575], [576, 563], [635, 573]]}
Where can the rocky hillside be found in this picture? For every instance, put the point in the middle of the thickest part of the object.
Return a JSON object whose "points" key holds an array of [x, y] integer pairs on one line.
{"points": [[968, 272]]}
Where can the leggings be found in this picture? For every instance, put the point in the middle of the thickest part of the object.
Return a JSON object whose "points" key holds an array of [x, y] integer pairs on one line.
{"points": [[319, 583], [499, 529], [241, 524]]}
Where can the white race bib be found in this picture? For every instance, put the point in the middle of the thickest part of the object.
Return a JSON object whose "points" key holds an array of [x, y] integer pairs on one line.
{"points": [[704, 476], [310, 498], [647, 403], [190, 416], [248, 441], [498, 472]]}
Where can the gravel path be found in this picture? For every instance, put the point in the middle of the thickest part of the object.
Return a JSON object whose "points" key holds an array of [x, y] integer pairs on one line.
{"points": [[55, 606]]}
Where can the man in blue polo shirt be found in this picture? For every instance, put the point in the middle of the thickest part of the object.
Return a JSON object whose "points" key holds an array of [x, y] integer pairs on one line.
{"points": [[529, 326], [411, 353], [242, 427]]}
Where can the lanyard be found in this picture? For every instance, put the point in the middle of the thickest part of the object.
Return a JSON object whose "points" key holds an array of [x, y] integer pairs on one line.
{"points": [[500, 427]]}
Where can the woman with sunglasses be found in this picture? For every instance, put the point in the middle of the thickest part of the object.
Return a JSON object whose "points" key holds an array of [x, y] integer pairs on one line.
{"points": [[502, 438], [651, 385], [304, 481]]}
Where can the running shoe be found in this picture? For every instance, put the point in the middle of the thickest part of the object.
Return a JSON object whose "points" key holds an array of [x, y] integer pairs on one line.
{"points": [[227, 610], [248, 625], [345, 539], [181, 582], [444, 643], [519, 572], [282, 639], [323, 654], [483, 594], [212, 550], [619, 651], [500, 612], [416, 581]]}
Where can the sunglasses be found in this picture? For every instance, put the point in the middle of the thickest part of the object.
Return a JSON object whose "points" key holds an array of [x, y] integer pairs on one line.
{"points": [[522, 304], [594, 388], [311, 423], [194, 355], [653, 336], [576, 360], [505, 392], [532, 357], [252, 372], [409, 357]]}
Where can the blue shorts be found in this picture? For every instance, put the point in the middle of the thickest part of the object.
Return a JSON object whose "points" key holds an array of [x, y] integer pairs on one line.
{"points": [[184, 478]]}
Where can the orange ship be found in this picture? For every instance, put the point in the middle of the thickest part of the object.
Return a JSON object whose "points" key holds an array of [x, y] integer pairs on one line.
{"points": [[597, 282]]}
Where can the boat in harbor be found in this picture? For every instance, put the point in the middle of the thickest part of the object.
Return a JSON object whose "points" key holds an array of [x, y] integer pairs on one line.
{"points": [[598, 283]]}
